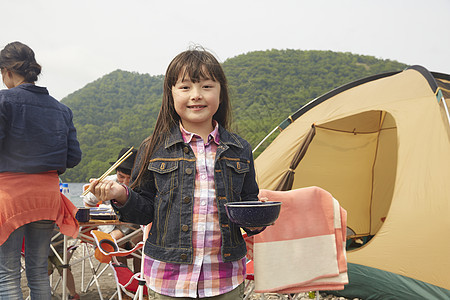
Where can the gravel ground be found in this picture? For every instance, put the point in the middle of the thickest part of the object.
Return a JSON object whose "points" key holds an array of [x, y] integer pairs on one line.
{"points": [[108, 285]]}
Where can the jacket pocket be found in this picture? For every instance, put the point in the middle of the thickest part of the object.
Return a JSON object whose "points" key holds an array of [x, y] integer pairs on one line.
{"points": [[237, 170], [166, 175]]}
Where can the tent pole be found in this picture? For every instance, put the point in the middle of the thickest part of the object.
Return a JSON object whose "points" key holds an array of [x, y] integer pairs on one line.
{"points": [[446, 109], [267, 136]]}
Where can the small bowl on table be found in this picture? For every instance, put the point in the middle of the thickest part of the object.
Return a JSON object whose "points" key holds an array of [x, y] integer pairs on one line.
{"points": [[82, 214], [253, 213]]}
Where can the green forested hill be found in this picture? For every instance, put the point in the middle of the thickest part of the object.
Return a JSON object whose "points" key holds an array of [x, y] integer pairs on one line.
{"points": [[115, 111], [120, 108]]}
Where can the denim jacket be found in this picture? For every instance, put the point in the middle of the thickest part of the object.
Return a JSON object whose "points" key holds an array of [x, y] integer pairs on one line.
{"points": [[167, 193], [36, 132]]}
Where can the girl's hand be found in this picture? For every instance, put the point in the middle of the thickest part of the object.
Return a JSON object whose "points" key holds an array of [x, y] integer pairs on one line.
{"points": [[108, 190]]}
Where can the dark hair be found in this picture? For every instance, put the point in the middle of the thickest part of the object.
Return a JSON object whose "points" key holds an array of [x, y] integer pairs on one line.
{"points": [[19, 58], [197, 65], [124, 171]]}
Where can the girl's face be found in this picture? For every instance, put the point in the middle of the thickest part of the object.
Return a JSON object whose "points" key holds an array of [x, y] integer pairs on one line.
{"points": [[196, 102]]}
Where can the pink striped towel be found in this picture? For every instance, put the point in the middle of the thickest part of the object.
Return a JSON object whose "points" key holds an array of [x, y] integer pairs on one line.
{"points": [[305, 249]]}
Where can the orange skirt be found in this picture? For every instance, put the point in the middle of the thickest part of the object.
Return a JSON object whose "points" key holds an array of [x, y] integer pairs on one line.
{"points": [[25, 198]]}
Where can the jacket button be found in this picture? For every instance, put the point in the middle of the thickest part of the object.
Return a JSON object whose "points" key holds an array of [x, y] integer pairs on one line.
{"points": [[187, 199], [185, 228], [186, 150], [183, 256], [188, 171]]}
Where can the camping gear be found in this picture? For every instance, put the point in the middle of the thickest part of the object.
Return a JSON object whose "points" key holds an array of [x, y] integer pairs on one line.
{"points": [[305, 249], [253, 213], [107, 250], [381, 145]]}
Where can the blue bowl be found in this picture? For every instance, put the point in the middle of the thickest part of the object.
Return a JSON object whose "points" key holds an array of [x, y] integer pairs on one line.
{"points": [[253, 213]]}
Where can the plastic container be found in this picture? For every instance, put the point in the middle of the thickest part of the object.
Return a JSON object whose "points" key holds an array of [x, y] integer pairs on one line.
{"points": [[64, 188]]}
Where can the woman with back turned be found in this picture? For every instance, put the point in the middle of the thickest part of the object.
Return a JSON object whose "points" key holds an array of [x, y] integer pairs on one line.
{"points": [[37, 143]]}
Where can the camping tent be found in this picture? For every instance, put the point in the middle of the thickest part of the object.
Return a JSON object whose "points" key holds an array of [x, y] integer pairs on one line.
{"points": [[381, 147]]}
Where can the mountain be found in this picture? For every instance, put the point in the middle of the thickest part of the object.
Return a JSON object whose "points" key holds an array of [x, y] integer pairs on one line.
{"points": [[120, 108]]}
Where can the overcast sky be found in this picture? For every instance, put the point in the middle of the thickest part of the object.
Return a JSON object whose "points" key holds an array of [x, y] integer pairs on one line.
{"points": [[77, 42]]}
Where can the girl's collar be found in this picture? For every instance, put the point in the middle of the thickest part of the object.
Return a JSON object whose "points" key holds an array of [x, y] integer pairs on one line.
{"points": [[212, 136]]}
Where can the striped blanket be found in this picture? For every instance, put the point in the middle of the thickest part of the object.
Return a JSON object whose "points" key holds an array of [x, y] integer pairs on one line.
{"points": [[305, 249]]}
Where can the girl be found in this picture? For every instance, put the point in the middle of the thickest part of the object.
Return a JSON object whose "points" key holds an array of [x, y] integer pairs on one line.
{"points": [[184, 174], [38, 141]]}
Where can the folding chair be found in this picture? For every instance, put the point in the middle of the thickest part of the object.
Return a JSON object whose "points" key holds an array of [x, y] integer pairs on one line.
{"points": [[96, 269], [70, 250], [132, 284], [56, 240]]}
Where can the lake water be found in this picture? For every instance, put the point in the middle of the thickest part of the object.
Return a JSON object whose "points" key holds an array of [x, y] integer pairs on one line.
{"points": [[75, 191]]}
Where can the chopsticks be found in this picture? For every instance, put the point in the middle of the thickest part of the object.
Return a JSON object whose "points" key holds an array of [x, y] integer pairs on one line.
{"points": [[112, 168]]}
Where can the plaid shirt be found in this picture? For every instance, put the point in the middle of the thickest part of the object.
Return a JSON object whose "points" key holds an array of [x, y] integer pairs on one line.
{"points": [[208, 275]]}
